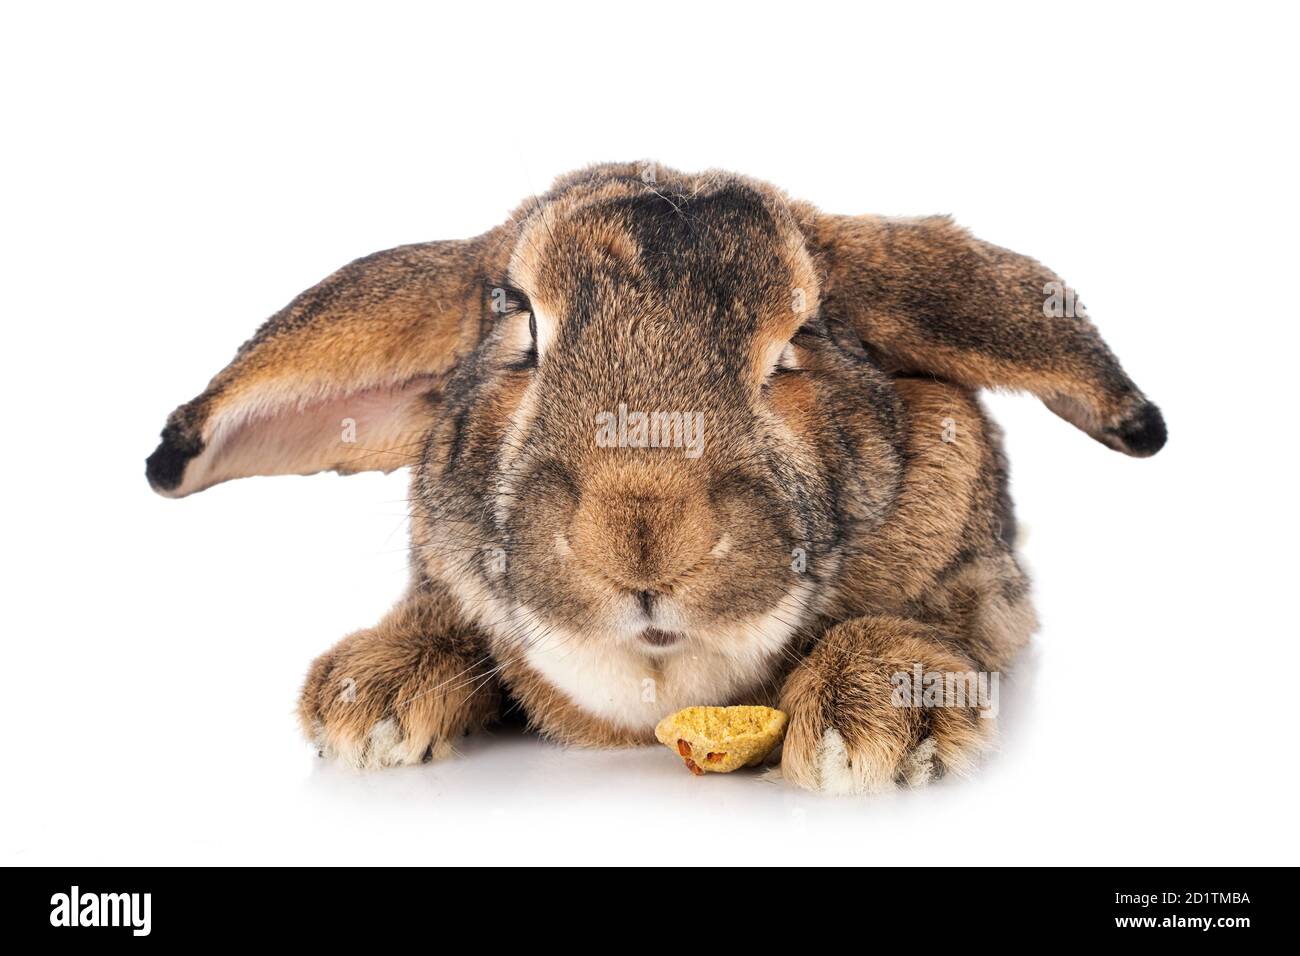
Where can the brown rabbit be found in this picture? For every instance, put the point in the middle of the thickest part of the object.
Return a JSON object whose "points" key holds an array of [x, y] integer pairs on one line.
{"points": [[676, 439]]}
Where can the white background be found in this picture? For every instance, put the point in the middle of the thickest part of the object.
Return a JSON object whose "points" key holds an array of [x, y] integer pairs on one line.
{"points": [[172, 177]]}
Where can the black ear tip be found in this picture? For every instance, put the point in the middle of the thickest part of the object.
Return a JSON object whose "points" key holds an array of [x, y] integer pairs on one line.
{"points": [[166, 466], [1143, 433]]}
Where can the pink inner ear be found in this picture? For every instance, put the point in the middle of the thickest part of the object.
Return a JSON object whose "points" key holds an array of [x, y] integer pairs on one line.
{"points": [[375, 429]]}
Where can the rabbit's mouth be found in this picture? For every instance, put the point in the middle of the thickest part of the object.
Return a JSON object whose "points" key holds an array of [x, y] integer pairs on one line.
{"points": [[660, 639]]}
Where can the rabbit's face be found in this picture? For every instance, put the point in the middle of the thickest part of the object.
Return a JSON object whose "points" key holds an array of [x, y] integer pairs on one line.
{"points": [[639, 453]]}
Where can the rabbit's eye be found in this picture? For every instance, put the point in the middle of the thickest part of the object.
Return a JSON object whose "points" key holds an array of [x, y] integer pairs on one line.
{"points": [[790, 358], [528, 359], [511, 304], [505, 300], [787, 361]]}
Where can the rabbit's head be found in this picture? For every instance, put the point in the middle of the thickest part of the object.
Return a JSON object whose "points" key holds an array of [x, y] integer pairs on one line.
{"points": [[651, 407], [639, 451]]}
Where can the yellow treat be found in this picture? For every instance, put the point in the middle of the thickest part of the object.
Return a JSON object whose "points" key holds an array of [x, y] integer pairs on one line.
{"points": [[720, 739]]}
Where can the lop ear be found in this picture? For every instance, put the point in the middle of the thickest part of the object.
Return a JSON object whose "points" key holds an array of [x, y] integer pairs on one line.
{"points": [[340, 379], [926, 296]]}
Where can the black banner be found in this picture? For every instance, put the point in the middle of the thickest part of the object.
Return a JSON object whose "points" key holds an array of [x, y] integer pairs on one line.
{"points": [[1174, 906]]}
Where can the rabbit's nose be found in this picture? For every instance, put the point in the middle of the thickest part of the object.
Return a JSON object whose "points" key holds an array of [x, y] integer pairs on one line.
{"points": [[643, 544]]}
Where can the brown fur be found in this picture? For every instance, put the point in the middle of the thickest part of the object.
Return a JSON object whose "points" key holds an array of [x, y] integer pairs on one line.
{"points": [[844, 685], [845, 518], [434, 691]]}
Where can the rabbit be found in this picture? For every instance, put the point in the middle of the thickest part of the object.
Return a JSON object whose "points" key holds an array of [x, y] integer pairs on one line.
{"points": [[675, 439]]}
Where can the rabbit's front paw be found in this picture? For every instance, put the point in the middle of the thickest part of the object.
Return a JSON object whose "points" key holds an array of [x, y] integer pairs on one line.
{"points": [[379, 700], [854, 727]]}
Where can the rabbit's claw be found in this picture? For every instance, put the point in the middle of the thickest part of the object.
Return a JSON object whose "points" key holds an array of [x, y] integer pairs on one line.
{"points": [[848, 732], [386, 699]]}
